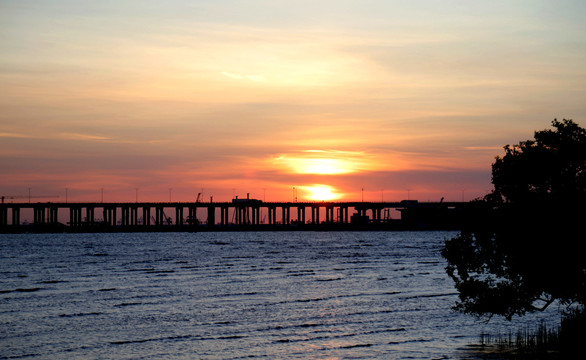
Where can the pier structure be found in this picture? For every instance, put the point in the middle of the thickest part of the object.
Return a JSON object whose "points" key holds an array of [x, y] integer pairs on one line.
{"points": [[240, 213]]}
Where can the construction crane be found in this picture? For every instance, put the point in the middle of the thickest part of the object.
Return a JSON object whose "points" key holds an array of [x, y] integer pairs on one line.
{"points": [[29, 197], [166, 219], [198, 197]]}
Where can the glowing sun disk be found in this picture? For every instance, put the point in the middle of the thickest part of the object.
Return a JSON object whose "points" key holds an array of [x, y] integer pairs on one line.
{"points": [[321, 192]]}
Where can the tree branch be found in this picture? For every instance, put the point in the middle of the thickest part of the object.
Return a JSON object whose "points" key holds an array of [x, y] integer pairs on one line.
{"points": [[545, 306]]}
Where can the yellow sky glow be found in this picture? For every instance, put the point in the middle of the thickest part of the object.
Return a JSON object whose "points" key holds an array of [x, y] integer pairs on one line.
{"points": [[324, 162], [321, 192], [261, 97]]}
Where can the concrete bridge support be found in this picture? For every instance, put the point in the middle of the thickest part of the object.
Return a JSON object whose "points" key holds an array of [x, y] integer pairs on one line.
{"points": [[252, 215], [242, 215], [146, 216], [4, 216], [192, 215], [249, 212], [129, 215], [272, 215], [15, 216], [342, 215], [39, 215], [125, 216], [315, 215], [329, 214], [211, 215], [301, 214], [224, 218], [286, 215], [376, 215], [159, 217], [75, 218], [89, 215], [53, 215], [110, 216], [179, 216]]}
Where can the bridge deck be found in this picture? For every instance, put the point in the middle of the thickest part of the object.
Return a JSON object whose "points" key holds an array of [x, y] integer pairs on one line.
{"points": [[244, 213]]}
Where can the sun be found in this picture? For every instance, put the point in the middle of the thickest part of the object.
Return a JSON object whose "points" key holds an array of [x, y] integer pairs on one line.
{"points": [[321, 192]]}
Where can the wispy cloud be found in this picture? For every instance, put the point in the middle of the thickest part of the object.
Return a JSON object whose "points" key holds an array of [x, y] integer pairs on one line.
{"points": [[15, 135], [78, 136], [496, 148], [255, 78], [263, 94]]}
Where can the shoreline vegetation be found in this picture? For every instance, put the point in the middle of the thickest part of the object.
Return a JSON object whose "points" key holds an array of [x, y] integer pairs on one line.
{"points": [[535, 342], [520, 252]]}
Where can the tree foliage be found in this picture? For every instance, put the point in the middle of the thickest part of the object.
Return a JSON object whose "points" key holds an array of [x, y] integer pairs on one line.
{"points": [[522, 248]]}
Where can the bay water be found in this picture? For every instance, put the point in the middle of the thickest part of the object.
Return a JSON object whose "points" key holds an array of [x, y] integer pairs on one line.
{"points": [[234, 295]]}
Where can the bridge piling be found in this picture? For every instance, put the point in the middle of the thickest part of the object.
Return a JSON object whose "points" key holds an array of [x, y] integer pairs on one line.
{"points": [[247, 212]]}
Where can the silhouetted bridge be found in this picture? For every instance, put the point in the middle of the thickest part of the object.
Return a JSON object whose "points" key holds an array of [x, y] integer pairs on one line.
{"points": [[240, 214]]}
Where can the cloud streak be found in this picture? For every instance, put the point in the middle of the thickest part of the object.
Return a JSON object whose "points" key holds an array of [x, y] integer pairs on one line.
{"points": [[271, 95]]}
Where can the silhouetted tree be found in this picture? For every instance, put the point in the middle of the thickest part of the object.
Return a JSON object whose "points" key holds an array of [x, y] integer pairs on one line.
{"points": [[522, 248]]}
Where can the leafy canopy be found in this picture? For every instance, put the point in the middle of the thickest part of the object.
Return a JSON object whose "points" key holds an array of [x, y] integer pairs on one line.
{"points": [[521, 249]]}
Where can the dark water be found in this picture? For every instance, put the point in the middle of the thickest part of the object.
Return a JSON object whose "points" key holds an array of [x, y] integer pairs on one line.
{"points": [[290, 295]]}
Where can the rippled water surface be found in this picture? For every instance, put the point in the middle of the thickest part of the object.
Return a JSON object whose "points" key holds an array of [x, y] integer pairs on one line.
{"points": [[281, 295]]}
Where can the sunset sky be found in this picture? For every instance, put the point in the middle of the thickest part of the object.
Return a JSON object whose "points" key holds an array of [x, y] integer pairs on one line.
{"points": [[146, 100]]}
